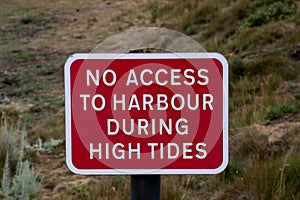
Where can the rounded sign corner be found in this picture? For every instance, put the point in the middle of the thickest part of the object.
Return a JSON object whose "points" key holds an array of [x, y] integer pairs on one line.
{"points": [[220, 57], [222, 167], [72, 58], [72, 167]]}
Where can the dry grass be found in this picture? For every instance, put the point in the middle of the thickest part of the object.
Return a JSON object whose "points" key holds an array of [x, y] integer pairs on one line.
{"points": [[37, 38], [261, 75]]}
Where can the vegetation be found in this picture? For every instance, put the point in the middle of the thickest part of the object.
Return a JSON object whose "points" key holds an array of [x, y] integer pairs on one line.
{"points": [[281, 110], [260, 39], [257, 38], [19, 180]]}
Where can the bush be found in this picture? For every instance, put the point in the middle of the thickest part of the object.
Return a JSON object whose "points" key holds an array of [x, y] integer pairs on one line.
{"points": [[275, 11], [281, 110], [19, 180], [26, 183]]}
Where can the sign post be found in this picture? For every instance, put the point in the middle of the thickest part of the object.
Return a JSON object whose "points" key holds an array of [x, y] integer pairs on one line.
{"points": [[150, 114], [146, 187]]}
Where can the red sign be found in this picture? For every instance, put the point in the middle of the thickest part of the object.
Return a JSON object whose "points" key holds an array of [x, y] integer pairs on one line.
{"points": [[146, 113]]}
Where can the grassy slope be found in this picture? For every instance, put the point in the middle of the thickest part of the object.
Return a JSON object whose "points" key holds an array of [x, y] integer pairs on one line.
{"points": [[36, 38], [258, 37]]}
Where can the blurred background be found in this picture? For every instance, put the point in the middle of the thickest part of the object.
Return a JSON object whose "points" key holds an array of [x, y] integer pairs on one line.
{"points": [[259, 38]]}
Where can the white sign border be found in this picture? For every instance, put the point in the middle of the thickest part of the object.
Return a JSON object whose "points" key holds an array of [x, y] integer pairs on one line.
{"points": [[75, 170]]}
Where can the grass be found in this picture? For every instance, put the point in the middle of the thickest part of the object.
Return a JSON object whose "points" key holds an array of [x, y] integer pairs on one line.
{"points": [[2, 157], [104, 187], [26, 56], [281, 110], [255, 36], [51, 127], [118, 187], [267, 180], [191, 13], [265, 14], [18, 176], [260, 171], [227, 20]]}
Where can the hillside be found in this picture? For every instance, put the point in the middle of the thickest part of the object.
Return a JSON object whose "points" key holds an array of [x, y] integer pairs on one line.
{"points": [[259, 38]]}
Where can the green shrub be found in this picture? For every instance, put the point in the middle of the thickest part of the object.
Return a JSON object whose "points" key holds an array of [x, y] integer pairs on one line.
{"points": [[12, 142], [6, 189], [19, 180], [281, 110], [26, 183], [276, 11]]}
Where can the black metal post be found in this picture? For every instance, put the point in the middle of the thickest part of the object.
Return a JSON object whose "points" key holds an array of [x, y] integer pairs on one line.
{"points": [[144, 187]]}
